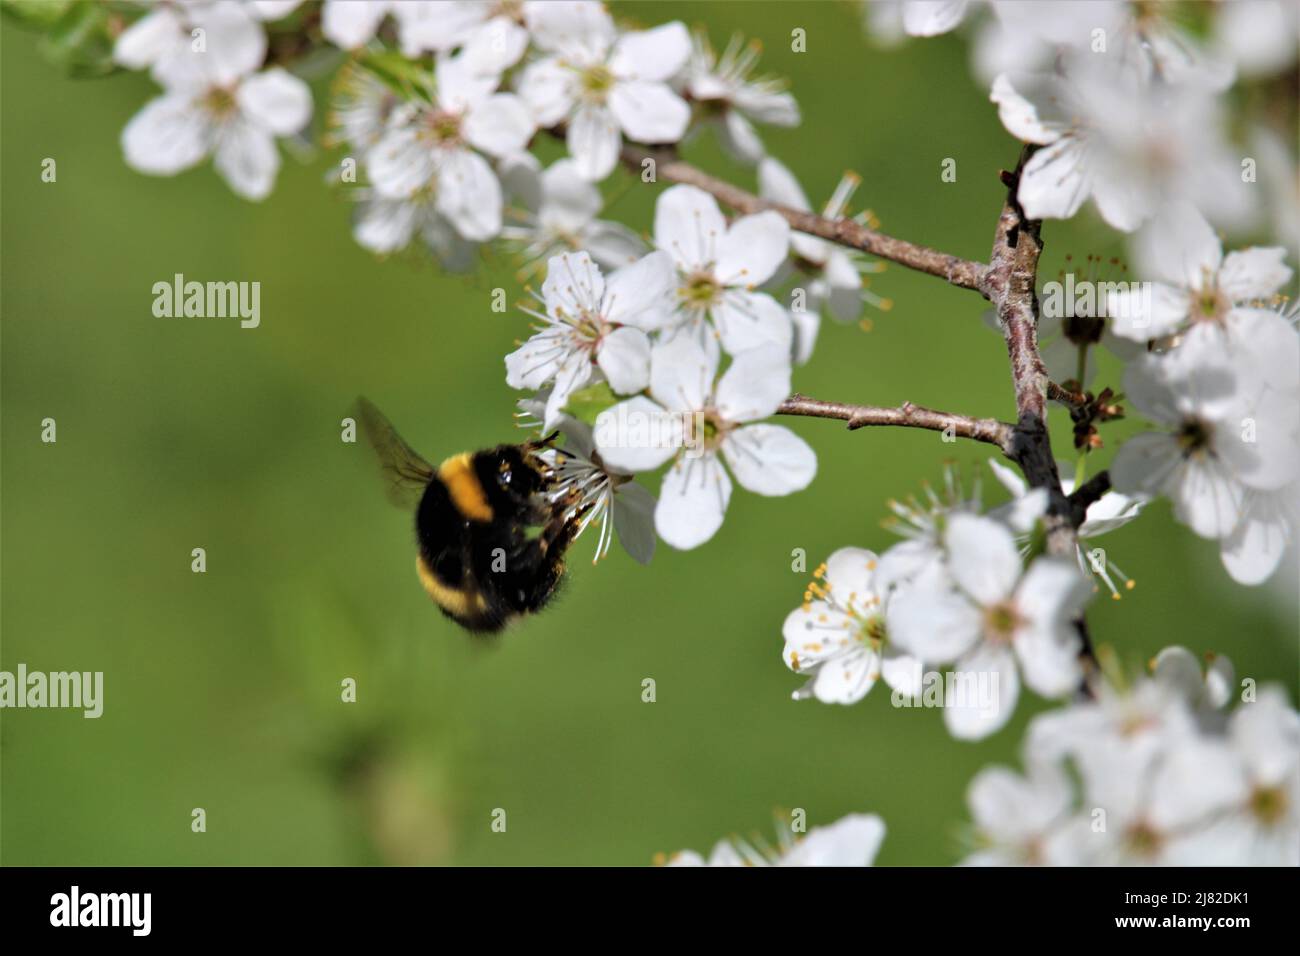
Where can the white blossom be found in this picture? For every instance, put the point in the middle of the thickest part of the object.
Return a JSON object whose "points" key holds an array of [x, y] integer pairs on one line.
{"points": [[593, 326], [197, 44], [838, 284], [437, 146], [422, 25], [595, 493], [1200, 291], [997, 623], [387, 225], [1260, 37], [1131, 147], [1166, 781], [603, 85], [838, 635], [850, 841], [697, 424], [719, 267], [558, 214], [1223, 439], [731, 100], [1021, 820], [238, 123], [1112, 510]]}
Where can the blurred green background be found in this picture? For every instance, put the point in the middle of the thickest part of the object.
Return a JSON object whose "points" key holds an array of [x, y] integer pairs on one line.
{"points": [[222, 689]]}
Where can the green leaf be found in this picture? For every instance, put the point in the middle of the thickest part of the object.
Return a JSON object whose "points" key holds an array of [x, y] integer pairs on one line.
{"points": [[404, 77], [585, 404], [35, 14], [80, 41]]}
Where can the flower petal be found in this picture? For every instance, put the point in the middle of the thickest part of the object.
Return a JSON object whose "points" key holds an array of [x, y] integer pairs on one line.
{"points": [[981, 695], [750, 320], [350, 23], [594, 141], [656, 54], [1254, 273], [752, 249], [634, 521], [548, 90], [982, 558], [276, 100], [469, 194], [682, 373], [624, 357], [641, 294], [1047, 644], [649, 112], [637, 435], [757, 381], [168, 135], [692, 501], [770, 459], [500, 125], [144, 42], [688, 226], [1053, 184], [247, 160]]}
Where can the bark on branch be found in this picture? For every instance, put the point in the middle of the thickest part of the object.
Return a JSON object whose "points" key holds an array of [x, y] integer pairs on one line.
{"points": [[907, 415], [1088, 493], [1009, 284]]}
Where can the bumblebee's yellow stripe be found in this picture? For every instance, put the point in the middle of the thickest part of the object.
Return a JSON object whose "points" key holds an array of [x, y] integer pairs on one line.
{"points": [[455, 601], [457, 473]]}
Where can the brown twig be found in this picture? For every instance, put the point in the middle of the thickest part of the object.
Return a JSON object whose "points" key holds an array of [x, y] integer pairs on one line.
{"points": [[1010, 285], [846, 232], [1087, 494], [907, 415], [1071, 400]]}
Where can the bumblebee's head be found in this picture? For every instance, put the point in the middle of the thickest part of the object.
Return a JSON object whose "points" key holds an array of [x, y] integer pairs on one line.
{"points": [[511, 472]]}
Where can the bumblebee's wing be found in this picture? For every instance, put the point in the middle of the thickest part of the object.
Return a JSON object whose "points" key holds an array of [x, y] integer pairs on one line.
{"points": [[405, 473]]}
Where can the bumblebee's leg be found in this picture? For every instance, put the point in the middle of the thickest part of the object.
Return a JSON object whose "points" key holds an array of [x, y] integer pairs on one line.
{"points": [[534, 571]]}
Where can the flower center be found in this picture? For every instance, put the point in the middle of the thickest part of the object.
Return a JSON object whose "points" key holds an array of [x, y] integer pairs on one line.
{"points": [[445, 127], [591, 328], [1082, 330], [1001, 621], [220, 102], [1194, 436], [510, 9], [1268, 805], [699, 291], [1143, 839], [707, 429], [871, 631], [1211, 305], [596, 82]]}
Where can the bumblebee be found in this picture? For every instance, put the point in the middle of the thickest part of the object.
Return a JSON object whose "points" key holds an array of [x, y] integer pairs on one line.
{"points": [[491, 530]]}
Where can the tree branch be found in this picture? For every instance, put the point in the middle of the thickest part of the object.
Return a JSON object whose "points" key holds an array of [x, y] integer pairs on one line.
{"points": [[846, 232], [1087, 494], [1010, 285], [907, 415], [1071, 400]]}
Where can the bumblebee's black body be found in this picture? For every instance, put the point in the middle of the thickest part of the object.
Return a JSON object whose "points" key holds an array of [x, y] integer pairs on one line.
{"points": [[490, 541]]}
